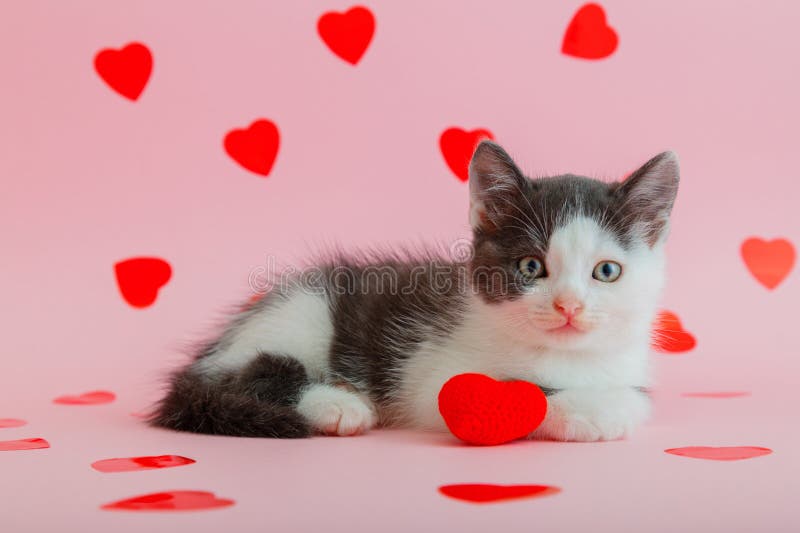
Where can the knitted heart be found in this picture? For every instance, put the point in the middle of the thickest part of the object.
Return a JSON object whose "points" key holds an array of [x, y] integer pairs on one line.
{"points": [[457, 146], [347, 34], [768, 261], [175, 500], [588, 35], [480, 410], [133, 464], [126, 70]]}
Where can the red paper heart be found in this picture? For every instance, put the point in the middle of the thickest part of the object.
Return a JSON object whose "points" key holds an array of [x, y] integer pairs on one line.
{"points": [[133, 464], [140, 278], [457, 147], [255, 147], [588, 36], [768, 261], [11, 423], [126, 70], [97, 397], [722, 453], [669, 335], [175, 500], [347, 34], [483, 493], [481, 410], [23, 444]]}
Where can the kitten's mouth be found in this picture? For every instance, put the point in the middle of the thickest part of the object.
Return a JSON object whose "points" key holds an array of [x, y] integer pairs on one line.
{"points": [[567, 329]]}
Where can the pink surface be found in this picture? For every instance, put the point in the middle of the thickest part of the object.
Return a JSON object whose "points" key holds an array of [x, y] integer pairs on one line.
{"points": [[91, 178]]}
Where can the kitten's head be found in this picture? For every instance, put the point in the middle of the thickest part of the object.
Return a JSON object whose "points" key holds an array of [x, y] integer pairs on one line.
{"points": [[569, 261]]}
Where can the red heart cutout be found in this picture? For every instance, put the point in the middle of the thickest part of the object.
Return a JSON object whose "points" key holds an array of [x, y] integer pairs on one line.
{"points": [[588, 36], [484, 411], [23, 444], [87, 398], [140, 278], [457, 147], [483, 493], [347, 34], [255, 147], [768, 261], [11, 423], [175, 500], [133, 464], [126, 70], [669, 335], [721, 453]]}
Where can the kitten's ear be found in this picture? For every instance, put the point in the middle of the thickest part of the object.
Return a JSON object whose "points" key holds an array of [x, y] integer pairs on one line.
{"points": [[494, 183], [646, 196]]}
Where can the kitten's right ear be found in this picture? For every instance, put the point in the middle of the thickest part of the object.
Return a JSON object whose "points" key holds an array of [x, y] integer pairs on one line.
{"points": [[494, 183]]}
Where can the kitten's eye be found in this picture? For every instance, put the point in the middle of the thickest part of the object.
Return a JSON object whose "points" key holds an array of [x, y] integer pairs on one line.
{"points": [[531, 268], [607, 271]]}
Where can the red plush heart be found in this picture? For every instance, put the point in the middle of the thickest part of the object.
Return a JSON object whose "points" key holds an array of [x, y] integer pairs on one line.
{"points": [[97, 397], [457, 147], [126, 70], [588, 36], [140, 278], [669, 335], [132, 464], [255, 147], [11, 423], [768, 261], [484, 411], [347, 34], [722, 453], [484, 493], [23, 444], [175, 500]]}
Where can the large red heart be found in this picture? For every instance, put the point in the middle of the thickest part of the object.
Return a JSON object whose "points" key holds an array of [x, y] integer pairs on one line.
{"points": [[484, 411], [768, 261], [347, 34], [588, 36], [97, 397], [669, 335], [175, 500], [485, 493], [721, 453], [457, 147], [23, 444], [11, 423], [140, 278], [132, 464], [255, 147], [126, 70]]}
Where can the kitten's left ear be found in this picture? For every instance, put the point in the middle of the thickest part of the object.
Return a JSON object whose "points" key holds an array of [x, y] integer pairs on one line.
{"points": [[495, 183], [646, 196]]}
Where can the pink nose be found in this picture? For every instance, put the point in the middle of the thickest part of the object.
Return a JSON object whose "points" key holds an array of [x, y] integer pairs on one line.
{"points": [[568, 308]]}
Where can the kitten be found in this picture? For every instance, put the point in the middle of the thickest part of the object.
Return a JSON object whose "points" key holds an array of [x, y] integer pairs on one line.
{"points": [[560, 290]]}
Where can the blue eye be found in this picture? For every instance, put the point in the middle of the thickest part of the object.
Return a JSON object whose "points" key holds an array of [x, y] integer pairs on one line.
{"points": [[607, 271], [531, 267]]}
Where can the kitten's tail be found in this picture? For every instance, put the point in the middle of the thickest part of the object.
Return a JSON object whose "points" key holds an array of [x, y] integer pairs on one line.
{"points": [[199, 405]]}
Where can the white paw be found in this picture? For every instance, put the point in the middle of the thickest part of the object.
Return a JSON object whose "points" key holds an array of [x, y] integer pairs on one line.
{"points": [[587, 415], [335, 411]]}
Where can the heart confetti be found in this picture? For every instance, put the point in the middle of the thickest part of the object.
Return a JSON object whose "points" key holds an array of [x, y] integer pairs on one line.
{"points": [[176, 500], [23, 444], [97, 397], [588, 35], [669, 335], [11, 423], [126, 70], [347, 34], [768, 261], [721, 453], [457, 147], [256, 147], [134, 464], [721, 394], [139, 279], [485, 493]]}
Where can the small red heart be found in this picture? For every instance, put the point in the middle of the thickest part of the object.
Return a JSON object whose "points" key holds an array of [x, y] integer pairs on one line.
{"points": [[255, 147], [669, 335], [133, 464], [126, 70], [140, 278], [483, 493], [768, 261], [175, 500], [23, 444], [347, 34], [11, 423], [484, 411], [457, 147], [721, 453], [97, 397], [720, 394], [588, 35]]}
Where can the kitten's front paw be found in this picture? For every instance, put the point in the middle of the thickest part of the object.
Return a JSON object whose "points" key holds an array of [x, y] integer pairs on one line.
{"points": [[588, 415], [334, 411]]}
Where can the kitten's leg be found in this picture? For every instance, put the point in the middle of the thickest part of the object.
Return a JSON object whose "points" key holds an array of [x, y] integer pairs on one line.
{"points": [[337, 410], [593, 414]]}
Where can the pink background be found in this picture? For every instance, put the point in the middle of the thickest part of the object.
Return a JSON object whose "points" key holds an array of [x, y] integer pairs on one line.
{"points": [[90, 178]]}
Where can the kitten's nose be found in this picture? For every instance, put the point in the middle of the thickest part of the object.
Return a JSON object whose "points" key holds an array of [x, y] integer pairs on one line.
{"points": [[568, 308]]}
